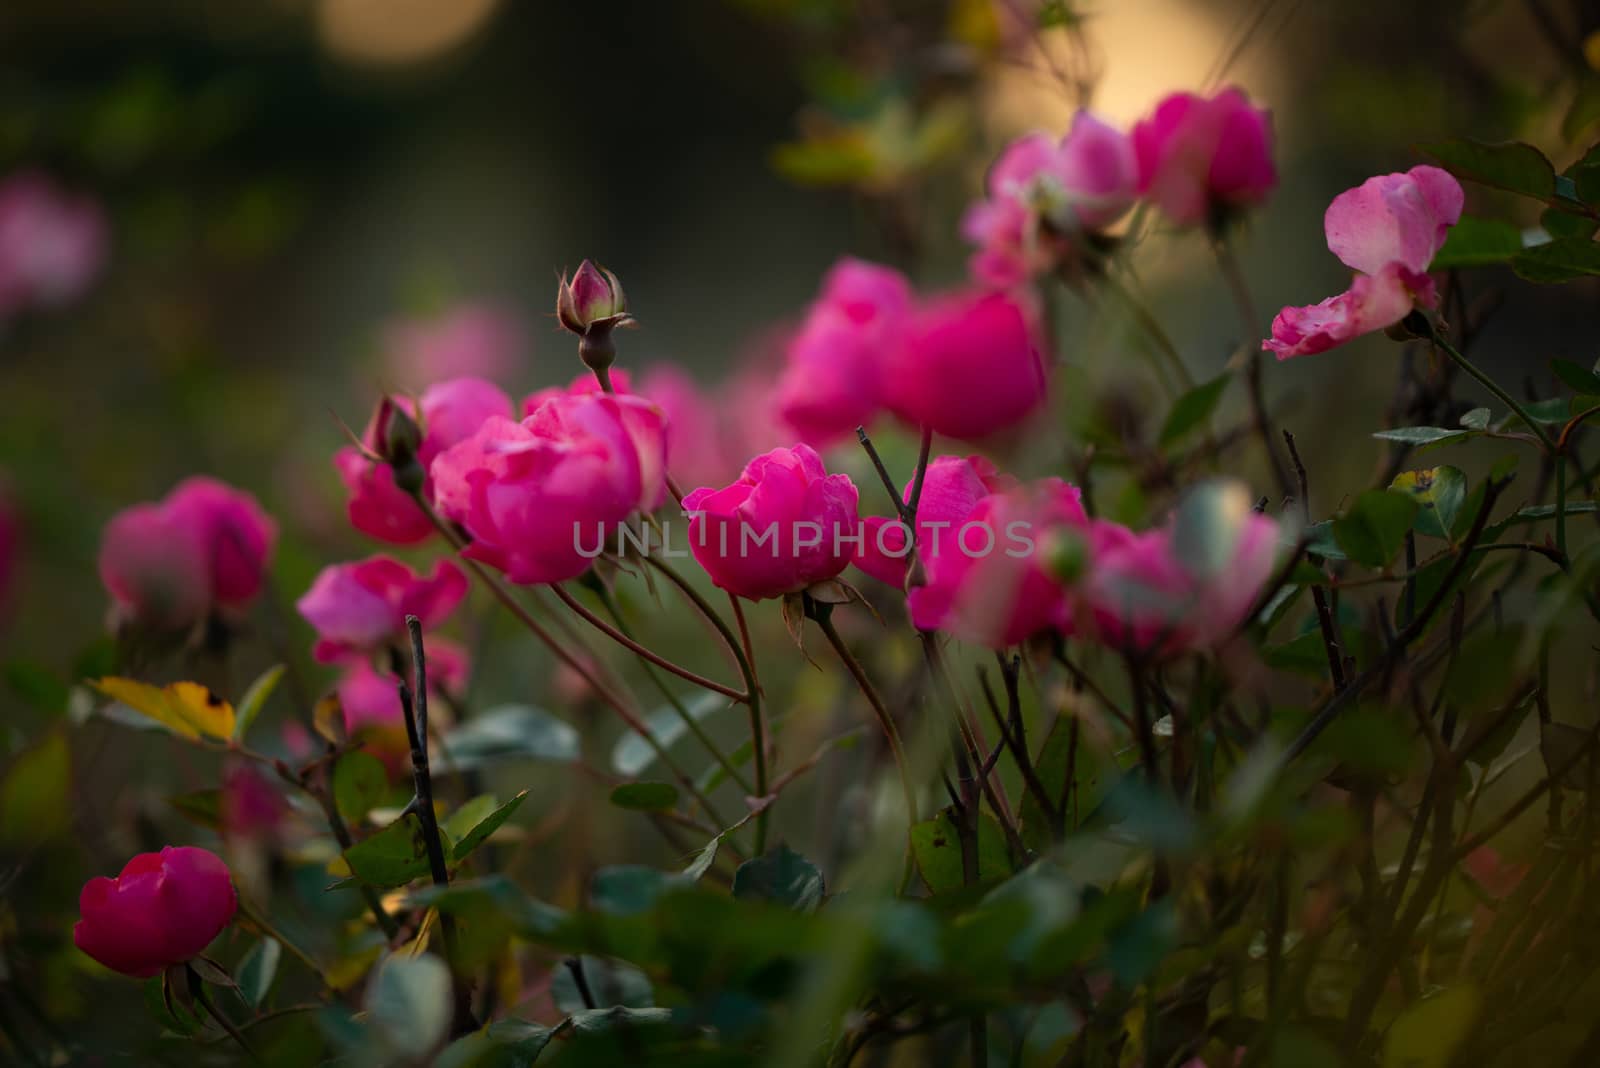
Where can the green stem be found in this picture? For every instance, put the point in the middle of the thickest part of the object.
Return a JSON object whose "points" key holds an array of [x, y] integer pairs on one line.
{"points": [[758, 730], [615, 611], [1488, 383], [1561, 503]]}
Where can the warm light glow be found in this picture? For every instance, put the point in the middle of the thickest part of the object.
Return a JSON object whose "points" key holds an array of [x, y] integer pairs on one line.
{"points": [[398, 31]]}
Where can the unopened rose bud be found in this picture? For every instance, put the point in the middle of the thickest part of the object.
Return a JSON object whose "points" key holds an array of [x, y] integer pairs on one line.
{"points": [[1066, 553], [396, 437], [164, 909], [592, 299]]}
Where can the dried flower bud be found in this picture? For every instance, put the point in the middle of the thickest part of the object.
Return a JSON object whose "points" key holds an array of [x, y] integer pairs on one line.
{"points": [[396, 437]]}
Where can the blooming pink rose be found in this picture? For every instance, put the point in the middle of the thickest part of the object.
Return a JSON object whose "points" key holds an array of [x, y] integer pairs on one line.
{"points": [[784, 525], [1388, 228], [832, 378], [538, 495], [52, 244], [1143, 598], [154, 569], [1040, 192], [951, 489], [694, 440], [164, 909], [362, 607], [466, 341], [990, 582], [451, 412], [236, 537], [1201, 159], [621, 384], [970, 364]]}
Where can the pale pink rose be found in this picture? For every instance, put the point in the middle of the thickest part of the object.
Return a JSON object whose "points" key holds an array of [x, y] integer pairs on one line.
{"points": [[52, 243], [784, 525], [1389, 229]]}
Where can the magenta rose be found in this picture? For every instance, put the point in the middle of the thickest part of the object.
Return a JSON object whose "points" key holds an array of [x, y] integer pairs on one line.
{"points": [[832, 378], [362, 607], [784, 525], [539, 496], [951, 489], [164, 909], [1388, 229], [970, 364], [1202, 159]]}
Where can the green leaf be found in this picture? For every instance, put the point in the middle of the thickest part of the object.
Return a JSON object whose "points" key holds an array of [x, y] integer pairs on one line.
{"points": [[936, 846], [1477, 419], [645, 796], [1440, 491], [511, 732], [34, 803], [503, 1044], [630, 889], [470, 827], [360, 784], [1069, 767], [1558, 224], [781, 875], [1419, 435], [257, 970], [37, 686], [255, 699], [391, 857], [1306, 654], [408, 1002], [1192, 409], [1372, 530], [609, 981], [1428, 1033], [1475, 242], [1578, 378], [1320, 541], [1560, 260], [632, 754], [1513, 166]]}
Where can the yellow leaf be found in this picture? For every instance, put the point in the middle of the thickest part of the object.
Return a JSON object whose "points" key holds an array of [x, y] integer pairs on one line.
{"points": [[1427, 1034], [187, 708]]}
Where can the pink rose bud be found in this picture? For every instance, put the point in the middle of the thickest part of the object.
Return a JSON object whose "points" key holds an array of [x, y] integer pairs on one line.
{"points": [[991, 581], [236, 537], [784, 525], [951, 489], [541, 498], [465, 341], [969, 365], [164, 909], [1202, 160], [1388, 228], [450, 412], [52, 244], [593, 298], [832, 381], [1045, 198], [154, 570], [362, 607]]}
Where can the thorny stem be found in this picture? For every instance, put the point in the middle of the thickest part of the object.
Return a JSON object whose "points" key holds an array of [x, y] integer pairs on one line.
{"points": [[414, 703]]}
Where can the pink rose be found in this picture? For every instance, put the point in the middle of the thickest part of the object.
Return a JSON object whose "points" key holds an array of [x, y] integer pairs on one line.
{"points": [[784, 525], [990, 581], [362, 607], [832, 379], [969, 365], [450, 412], [251, 805], [537, 496], [1388, 228], [465, 341], [52, 244], [1144, 598], [236, 537], [1202, 159], [621, 384], [164, 909], [1041, 193], [951, 489], [204, 548], [369, 698]]}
